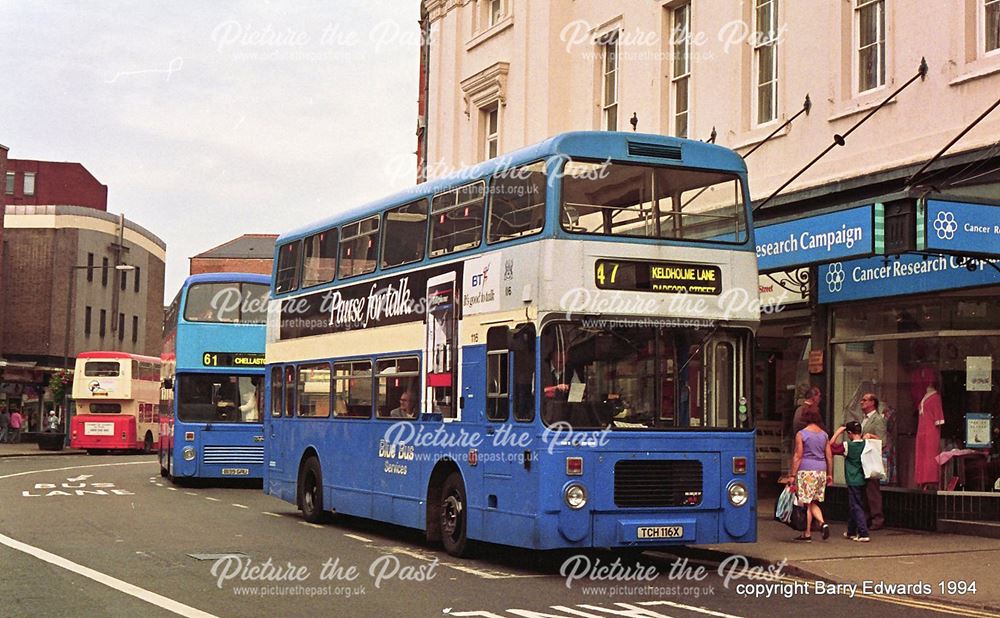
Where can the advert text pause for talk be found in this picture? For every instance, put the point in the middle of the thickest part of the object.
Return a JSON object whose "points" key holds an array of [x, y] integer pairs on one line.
{"points": [[46, 490]]}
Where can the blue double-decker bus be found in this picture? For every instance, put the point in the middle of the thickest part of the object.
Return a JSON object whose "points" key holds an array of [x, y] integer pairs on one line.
{"points": [[213, 372], [549, 350]]}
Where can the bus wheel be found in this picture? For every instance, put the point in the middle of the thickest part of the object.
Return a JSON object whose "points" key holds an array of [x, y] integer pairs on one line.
{"points": [[147, 444], [311, 491], [453, 516]]}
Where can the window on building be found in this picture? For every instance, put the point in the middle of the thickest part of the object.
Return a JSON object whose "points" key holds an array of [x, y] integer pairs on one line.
{"points": [[104, 320], [491, 131], [135, 329], [90, 267], [104, 272], [287, 276], [86, 321], [457, 219], [681, 79], [405, 234], [766, 59], [121, 327], [991, 23], [871, 43], [29, 183], [314, 390], [319, 258], [8, 184], [359, 247], [517, 202], [352, 393], [609, 96], [496, 11], [124, 280], [135, 273]]}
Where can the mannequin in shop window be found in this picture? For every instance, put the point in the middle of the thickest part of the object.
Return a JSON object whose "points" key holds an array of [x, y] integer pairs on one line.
{"points": [[930, 418]]}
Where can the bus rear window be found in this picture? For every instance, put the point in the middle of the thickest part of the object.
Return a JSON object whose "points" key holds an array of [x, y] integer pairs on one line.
{"points": [[98, 369], [319, 262], [457, 219], [359, 247], [105, 408], [287, 275], [616, 199]]}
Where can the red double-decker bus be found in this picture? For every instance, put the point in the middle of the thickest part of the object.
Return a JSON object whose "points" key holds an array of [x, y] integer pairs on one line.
{"points": [[117, 398]]}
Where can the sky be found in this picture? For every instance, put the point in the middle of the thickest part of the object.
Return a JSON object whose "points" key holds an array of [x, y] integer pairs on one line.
{"points": [[208, 120]]}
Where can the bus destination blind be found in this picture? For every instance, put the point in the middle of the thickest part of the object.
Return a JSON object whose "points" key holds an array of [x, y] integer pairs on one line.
{"points": [[667, 277], [232, 359]]}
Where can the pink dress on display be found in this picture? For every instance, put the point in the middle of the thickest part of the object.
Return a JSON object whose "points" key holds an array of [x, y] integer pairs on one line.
{"points": [[929, 439]]}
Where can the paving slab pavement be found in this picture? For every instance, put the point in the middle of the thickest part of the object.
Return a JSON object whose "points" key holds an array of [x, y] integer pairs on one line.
{"points": [[30, 449]]}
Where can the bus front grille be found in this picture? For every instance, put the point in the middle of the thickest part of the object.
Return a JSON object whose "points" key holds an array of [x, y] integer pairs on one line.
{"points": [[235, 455], [658, 482]]}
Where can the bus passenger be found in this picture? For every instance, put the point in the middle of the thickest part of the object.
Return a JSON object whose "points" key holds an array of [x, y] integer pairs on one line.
{"points": [[406, 407], [248, 408]]}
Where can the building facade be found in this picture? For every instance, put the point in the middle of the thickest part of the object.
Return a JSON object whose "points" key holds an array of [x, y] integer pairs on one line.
{"points": [[33, 183], [883, 86], [250, 253], [76, 279]]}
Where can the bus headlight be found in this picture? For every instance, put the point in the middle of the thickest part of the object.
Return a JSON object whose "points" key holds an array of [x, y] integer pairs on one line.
{"points": [[738, 494], [188, 454], [575, 496]]}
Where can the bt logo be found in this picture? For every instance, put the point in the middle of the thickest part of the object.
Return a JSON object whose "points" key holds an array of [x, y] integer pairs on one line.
{"points": [[481, 278]]}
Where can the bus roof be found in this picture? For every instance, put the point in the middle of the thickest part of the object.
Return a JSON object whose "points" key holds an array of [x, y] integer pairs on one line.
{"points": [[580, 144], [227, 278], [111, 354]]}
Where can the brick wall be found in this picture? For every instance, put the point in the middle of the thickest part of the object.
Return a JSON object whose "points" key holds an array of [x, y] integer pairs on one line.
{"points": [[57, 184], [230, 265]]}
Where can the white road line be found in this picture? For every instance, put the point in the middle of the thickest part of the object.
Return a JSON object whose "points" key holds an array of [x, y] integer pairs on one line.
{"points": [[690, 608], [114, 583], [270, 513], [359, 538], [212, 499], [240, 506], [305, 523], [190, 493], [172, 488], [127, 463], [428, 557]]}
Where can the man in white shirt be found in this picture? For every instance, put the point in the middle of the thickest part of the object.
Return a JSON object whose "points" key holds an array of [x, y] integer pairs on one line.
{"points": [[873, 423]]}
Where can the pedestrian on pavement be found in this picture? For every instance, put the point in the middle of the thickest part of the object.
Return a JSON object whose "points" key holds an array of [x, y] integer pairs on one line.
{"points": [[4, 424], [874, 424], [812, 471], [857, 526], [811, 402], [52, 422], [16, 420]]}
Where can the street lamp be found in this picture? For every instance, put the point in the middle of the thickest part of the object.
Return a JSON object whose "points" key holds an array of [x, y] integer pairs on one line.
{"points": [[69, 323]]}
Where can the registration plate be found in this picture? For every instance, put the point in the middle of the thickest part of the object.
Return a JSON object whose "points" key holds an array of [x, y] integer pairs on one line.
{"points": [[98, 429], [660, 532], [235, 471]]}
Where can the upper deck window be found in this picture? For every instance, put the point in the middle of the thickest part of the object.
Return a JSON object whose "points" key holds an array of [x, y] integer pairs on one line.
{"points": [[319, 259], [359, 247], [101, 369], [287, 277], [229, 302], [405, 234], [517, 202], [457, 219], [617, 199]]}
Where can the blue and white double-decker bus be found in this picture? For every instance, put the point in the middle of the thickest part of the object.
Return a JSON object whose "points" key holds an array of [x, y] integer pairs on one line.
{"points": [[213, 378], [549, 350]]}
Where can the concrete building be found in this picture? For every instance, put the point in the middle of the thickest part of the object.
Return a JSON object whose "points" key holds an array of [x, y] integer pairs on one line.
{"points": [[249, 253], [60, 259], [780, 81]]}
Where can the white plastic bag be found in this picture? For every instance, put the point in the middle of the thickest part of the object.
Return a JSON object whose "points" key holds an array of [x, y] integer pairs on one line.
{"points": [[783, 508], [871, 460]]}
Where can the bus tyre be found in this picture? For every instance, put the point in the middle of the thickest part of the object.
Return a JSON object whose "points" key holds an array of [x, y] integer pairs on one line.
{"points": [[454, 516], [311, 491]]}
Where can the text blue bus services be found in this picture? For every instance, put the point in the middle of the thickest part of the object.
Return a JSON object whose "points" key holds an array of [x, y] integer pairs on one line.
{"points": [[549, 350], [213, 368]]}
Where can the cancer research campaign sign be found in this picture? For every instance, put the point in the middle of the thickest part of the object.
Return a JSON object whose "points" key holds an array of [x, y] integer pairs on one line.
{"points": [[959, 226], [909, 274], [823, 238]]}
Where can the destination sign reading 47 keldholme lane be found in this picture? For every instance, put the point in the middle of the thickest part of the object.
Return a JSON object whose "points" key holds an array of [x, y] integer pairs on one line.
{"points": [[823, 238], [672, 277]]}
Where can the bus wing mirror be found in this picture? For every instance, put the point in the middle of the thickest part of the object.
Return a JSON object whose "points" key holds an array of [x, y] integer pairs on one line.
{"points": [[168, 384]]}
